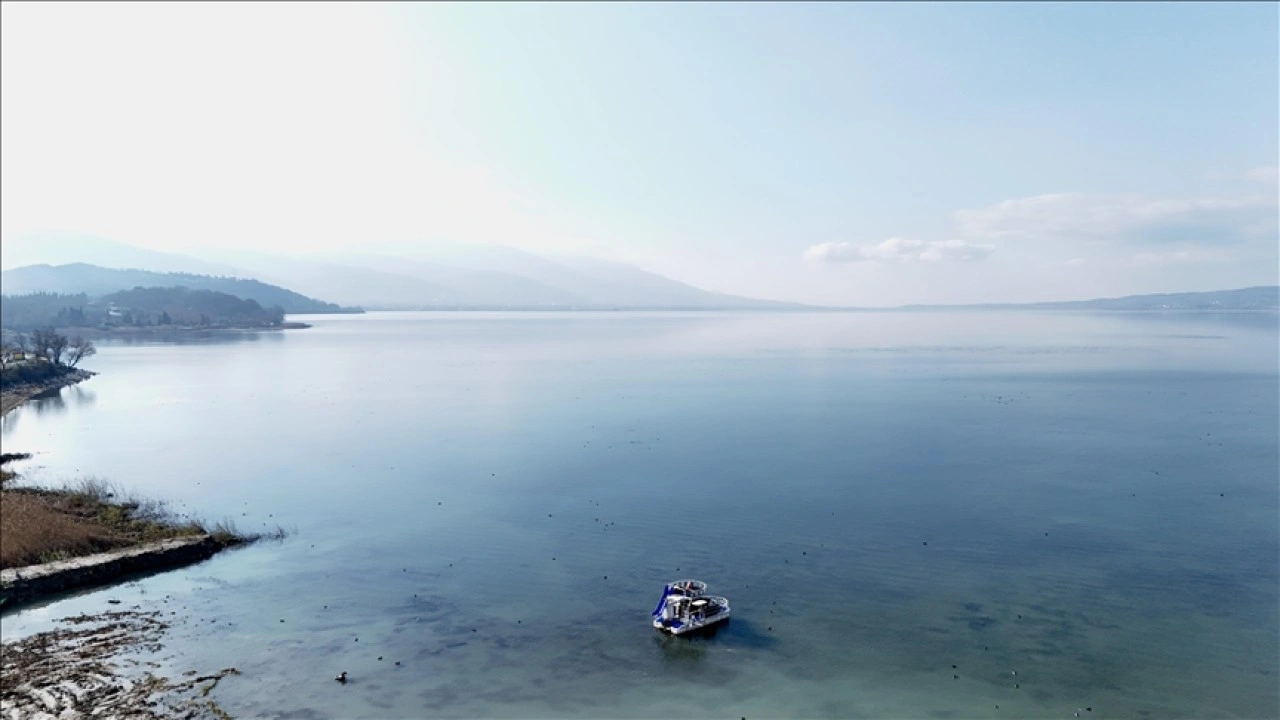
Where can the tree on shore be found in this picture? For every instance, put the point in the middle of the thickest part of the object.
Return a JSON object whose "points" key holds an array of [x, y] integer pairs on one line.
{"points": [[79, 349], [49, 344], [58, 349]]}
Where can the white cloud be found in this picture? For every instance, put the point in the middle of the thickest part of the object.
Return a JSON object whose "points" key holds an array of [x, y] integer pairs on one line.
{"points": [[1266, 174], [1182, 256], [1075, 262], [1129, 217], [897, 250]]}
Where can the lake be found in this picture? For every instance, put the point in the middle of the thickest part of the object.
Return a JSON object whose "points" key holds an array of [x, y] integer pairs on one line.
{"points": [[905, 509]]}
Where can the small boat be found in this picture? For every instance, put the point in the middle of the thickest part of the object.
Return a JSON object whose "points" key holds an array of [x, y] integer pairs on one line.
{"points": [[684, 608]]}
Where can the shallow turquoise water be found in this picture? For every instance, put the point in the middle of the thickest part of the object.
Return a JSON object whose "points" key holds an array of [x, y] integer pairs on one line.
{"points": [[494, 500]]}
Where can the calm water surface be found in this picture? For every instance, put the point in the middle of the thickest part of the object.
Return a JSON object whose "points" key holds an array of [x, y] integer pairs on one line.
{"points": [[494, 500]]}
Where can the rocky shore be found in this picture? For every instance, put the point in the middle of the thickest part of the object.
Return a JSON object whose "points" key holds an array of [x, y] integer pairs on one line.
{"points": [[14, 394], [78, 670]]}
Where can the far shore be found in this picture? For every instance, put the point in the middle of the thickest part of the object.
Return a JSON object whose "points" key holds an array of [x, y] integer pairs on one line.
{"points": [[99, 333]]}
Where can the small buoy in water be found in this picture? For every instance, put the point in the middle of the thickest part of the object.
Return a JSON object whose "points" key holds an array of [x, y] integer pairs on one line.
{"points": [[379, 658], [397, 662], [342, 677]]}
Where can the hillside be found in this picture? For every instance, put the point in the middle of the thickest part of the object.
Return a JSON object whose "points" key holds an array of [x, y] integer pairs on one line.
{"points": [[414, 275], [137, 308], [96, 281], [1263, 297], [64, 248], [489, 277]]}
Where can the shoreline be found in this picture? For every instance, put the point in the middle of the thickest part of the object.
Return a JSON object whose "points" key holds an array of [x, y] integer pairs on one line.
{"points": [[12, 396], [98, 333], [61, 540], [22, 586], [82, 667], [77, 670]]}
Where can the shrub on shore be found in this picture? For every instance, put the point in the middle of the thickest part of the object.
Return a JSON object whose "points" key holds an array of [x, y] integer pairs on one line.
{"points": [[40, 525]]}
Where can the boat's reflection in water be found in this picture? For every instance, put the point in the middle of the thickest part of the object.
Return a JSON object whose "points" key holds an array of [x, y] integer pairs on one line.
{"points": [[733, 634]]}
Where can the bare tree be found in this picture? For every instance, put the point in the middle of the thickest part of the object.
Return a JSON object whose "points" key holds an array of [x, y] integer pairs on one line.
{"points": [[79, 349], [49, 344], [57, 347], [40, 341]]}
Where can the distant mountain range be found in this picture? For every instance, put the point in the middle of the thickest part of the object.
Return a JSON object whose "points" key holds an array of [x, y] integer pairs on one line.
{"points": [[456, 277], [94, 281], [1261, 297], [446, 277]]}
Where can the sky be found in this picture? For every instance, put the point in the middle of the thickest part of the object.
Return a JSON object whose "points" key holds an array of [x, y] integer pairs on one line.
{"points": [[846, 154]]}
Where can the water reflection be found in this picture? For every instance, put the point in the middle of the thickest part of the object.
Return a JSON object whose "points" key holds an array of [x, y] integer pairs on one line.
{"points": [[50, 403], [1097, 493], [194, 337]]}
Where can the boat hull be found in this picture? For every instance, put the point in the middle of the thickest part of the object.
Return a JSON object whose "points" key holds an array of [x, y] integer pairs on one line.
{"points": [[692, 626]]}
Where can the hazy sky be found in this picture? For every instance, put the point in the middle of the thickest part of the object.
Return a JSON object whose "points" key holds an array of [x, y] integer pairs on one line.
{"points": [[863, 154]]}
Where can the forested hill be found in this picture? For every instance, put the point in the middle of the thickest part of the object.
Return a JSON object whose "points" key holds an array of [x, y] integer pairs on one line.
{"points": [[96, 281], [136, 308]]}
